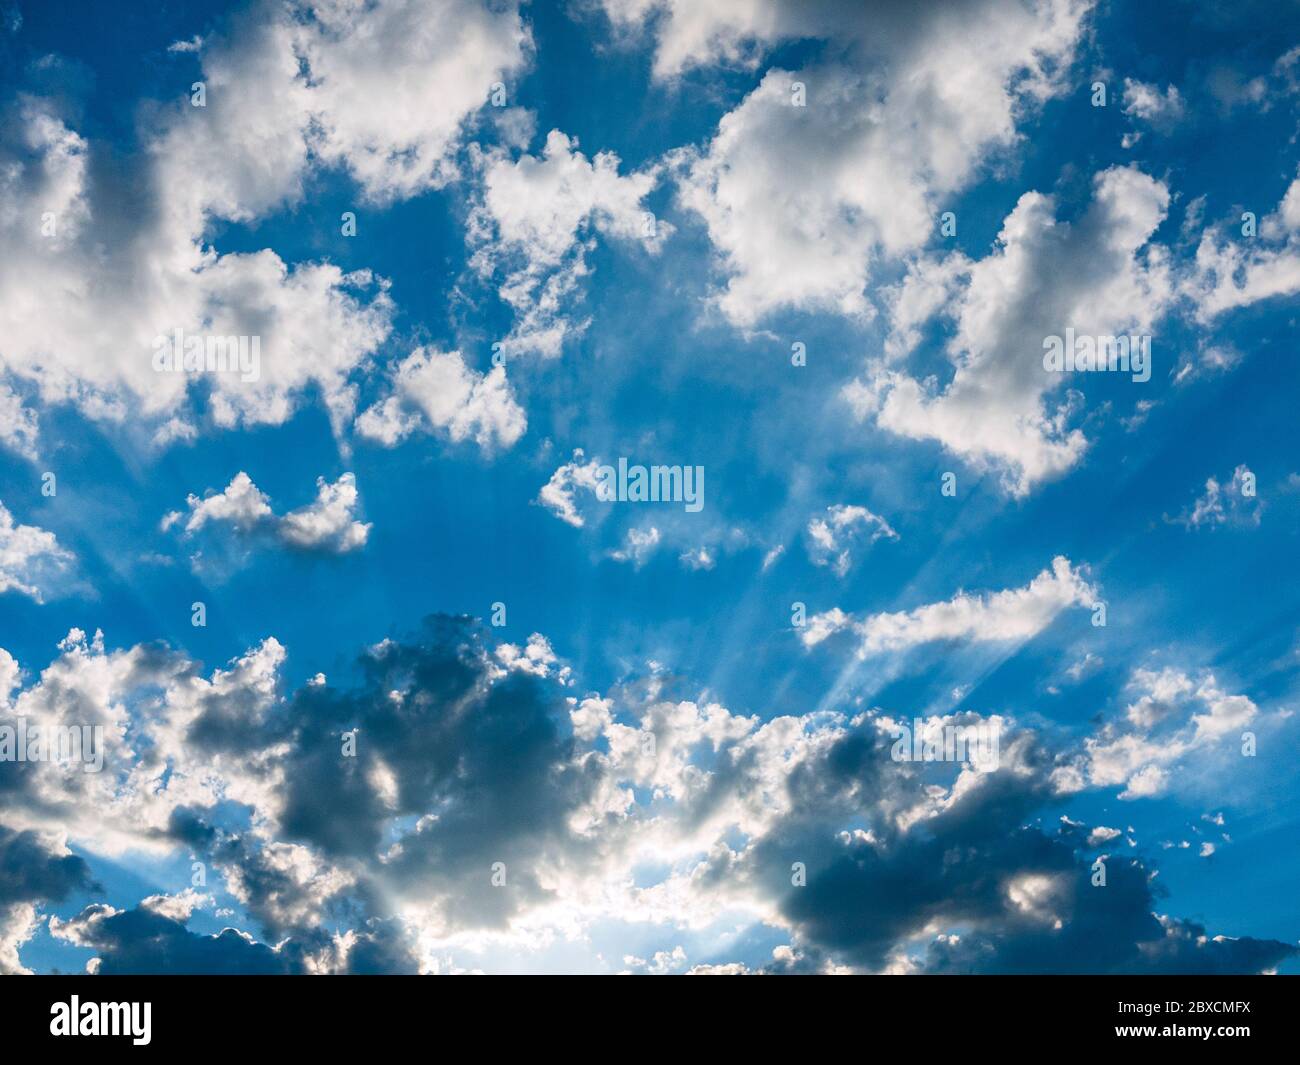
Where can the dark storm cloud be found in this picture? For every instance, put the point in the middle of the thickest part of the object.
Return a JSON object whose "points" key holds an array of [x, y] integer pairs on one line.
{"points": [[31, 872], [381, 947], [460, 764], [956, 870], [477, 765], [487, 760], [863, 898], [142, 941], [1107, 929]]}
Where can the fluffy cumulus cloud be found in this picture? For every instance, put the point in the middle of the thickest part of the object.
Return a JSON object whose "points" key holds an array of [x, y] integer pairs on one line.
{"points": [[83, 307], [729, 794], [327, 524], [31, 558], [392, 85], [459, 800], [1001, 409], [436, 391], [85, 290], [1230, 273], [820, 171], [690, 35], [1176, 717], [538, 218]]}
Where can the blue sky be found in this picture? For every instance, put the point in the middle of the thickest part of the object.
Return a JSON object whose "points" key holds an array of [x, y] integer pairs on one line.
{"points": [[644, 228]]}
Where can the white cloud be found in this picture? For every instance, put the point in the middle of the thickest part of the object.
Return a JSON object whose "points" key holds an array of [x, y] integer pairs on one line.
{"points": [[438, 391], [31, 558], [18, 426], [18, 923], [1234, 503], [558, 494], [394, 83], [1208, 360], [1229, 272], [996, 411], [1175, 716], [1017, 614], [1161, 693], [122, 806], [799, 200], [925, 290], [1148, 103], [289, 85], [1084, 667], [664, 961], [536, 657], [591, 717], [830, 538], [80, 310], [326, 524], [726, 31], [690, 789], [241, 504], [177, 907], [698, 558], [738, 32], [637, 546], [1101, 834], [535, 222]]}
